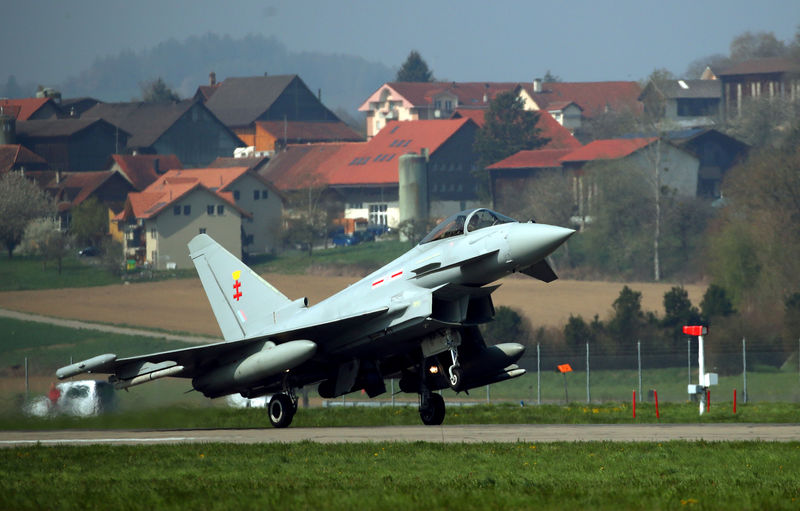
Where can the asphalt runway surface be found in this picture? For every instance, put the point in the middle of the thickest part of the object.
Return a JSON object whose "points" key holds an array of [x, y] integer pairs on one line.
{"points": [[442, 434]]}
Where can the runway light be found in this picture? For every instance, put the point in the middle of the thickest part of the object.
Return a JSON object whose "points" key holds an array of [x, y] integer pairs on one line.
{"points": [[434, 369]]}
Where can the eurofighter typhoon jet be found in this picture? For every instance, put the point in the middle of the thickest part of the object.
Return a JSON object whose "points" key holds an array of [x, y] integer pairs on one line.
{"points": [[415, 319]]}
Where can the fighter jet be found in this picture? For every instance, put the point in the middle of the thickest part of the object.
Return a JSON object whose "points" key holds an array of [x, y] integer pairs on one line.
{"points": [[415, 319]]}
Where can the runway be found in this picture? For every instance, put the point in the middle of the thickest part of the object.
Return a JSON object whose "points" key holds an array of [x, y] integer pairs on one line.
{"points": [[442, 434]]}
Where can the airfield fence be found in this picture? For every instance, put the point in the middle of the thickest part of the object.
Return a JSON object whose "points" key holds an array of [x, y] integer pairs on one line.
{"points": [[755, 371]]}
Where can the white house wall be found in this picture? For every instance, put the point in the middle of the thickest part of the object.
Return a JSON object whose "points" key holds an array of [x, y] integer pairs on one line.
{"points": [[168, 234]]}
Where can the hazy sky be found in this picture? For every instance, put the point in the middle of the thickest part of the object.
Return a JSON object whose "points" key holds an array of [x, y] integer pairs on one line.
{"points": [[467, 40]]}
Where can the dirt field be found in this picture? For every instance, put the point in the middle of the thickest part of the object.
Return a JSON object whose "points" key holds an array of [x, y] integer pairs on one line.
{"points": [[181, 305]]}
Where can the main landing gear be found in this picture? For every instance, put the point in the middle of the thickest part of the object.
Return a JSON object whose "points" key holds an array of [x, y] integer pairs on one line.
{"points": [[282, 408], [431, 408]]}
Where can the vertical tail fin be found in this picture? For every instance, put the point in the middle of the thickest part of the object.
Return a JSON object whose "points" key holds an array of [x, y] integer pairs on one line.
{"points": [[242, 301]]}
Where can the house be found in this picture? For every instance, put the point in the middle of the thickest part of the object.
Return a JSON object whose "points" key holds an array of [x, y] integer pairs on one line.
{"points": [[775, 77], [717, 153], [366, 175], [240, 103], [678, 169], [683, 103], [160, 221], [142, 169], [186, 129], [72, 144], [570, 103], [28, 109], [509, 177], [412, 101], [252, 194], [111, 188]]}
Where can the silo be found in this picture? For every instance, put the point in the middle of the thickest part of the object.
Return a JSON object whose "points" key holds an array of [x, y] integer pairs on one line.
{"points": [[413, 188], [8, 126]]}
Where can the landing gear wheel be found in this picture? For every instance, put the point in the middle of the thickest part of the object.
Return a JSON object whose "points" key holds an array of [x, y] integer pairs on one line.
{"points": [[281, 410], [456, 378], [433, 413]]}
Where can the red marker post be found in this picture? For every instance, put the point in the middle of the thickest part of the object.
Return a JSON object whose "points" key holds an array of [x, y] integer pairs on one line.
{"points": [[655, 395], [634, 404], [734, 401]]}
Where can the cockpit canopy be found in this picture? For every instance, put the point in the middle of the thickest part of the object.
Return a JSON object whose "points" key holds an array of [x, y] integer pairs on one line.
{"points": [[466, 221]]}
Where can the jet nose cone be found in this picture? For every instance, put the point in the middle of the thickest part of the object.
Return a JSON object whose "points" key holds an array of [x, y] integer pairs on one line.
{"points": [[530, 243]]}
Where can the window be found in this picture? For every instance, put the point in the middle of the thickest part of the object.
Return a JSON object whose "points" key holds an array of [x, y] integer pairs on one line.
{"points": [[256, 194], [202, 230], [153, 233], [448, 106], [264, 194], [220, 210], [187, 210], [176, 210], [210, 209], [236, 195]]}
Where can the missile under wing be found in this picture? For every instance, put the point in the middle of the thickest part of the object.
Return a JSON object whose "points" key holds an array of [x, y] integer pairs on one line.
{"points": [[415, 319]]}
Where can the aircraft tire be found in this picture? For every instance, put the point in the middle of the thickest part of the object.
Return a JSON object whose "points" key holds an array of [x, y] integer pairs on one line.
{"points": [[457, 379], [433, 415], [281, 410]]}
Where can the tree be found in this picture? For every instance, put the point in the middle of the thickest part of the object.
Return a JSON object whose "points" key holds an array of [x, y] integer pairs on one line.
{"points": [[628, 319], [157, 91], [550, 77], [20, 202], [414, 69], [44, 237], [716, 303], [757, 45], [507, 325], [508, 129], [678, 311], [89, 221]]}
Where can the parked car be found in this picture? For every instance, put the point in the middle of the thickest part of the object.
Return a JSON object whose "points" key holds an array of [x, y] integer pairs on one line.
{"points": [[89, 252], [363, 236], [344, 240], [82, 398]]}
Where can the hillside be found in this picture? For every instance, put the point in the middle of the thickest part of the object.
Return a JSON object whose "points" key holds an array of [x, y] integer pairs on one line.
{"points": [[344, 80]]}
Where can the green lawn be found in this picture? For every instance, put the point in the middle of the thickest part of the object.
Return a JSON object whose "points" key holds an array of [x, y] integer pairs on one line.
{"points": [[21, 273], [361, 258], [398, 476]]}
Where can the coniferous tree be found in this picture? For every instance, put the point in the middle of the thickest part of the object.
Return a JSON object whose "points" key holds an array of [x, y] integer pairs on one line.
{"points": [[414, 69]]}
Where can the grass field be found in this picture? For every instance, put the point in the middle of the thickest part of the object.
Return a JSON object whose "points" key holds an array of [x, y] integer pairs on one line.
{"points": [[219, 417], [397, 476]]}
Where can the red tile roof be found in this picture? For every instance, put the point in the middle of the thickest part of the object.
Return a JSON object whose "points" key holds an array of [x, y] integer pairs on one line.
{"points": [[357, 164], [593, 97], [143, 169], [610, 149], [376, 161], [560, 137], [26, 106], [165, 192], [422, 93], [301, 166], [213, 179], [537, 158], [76, 187], [13, 156]]}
